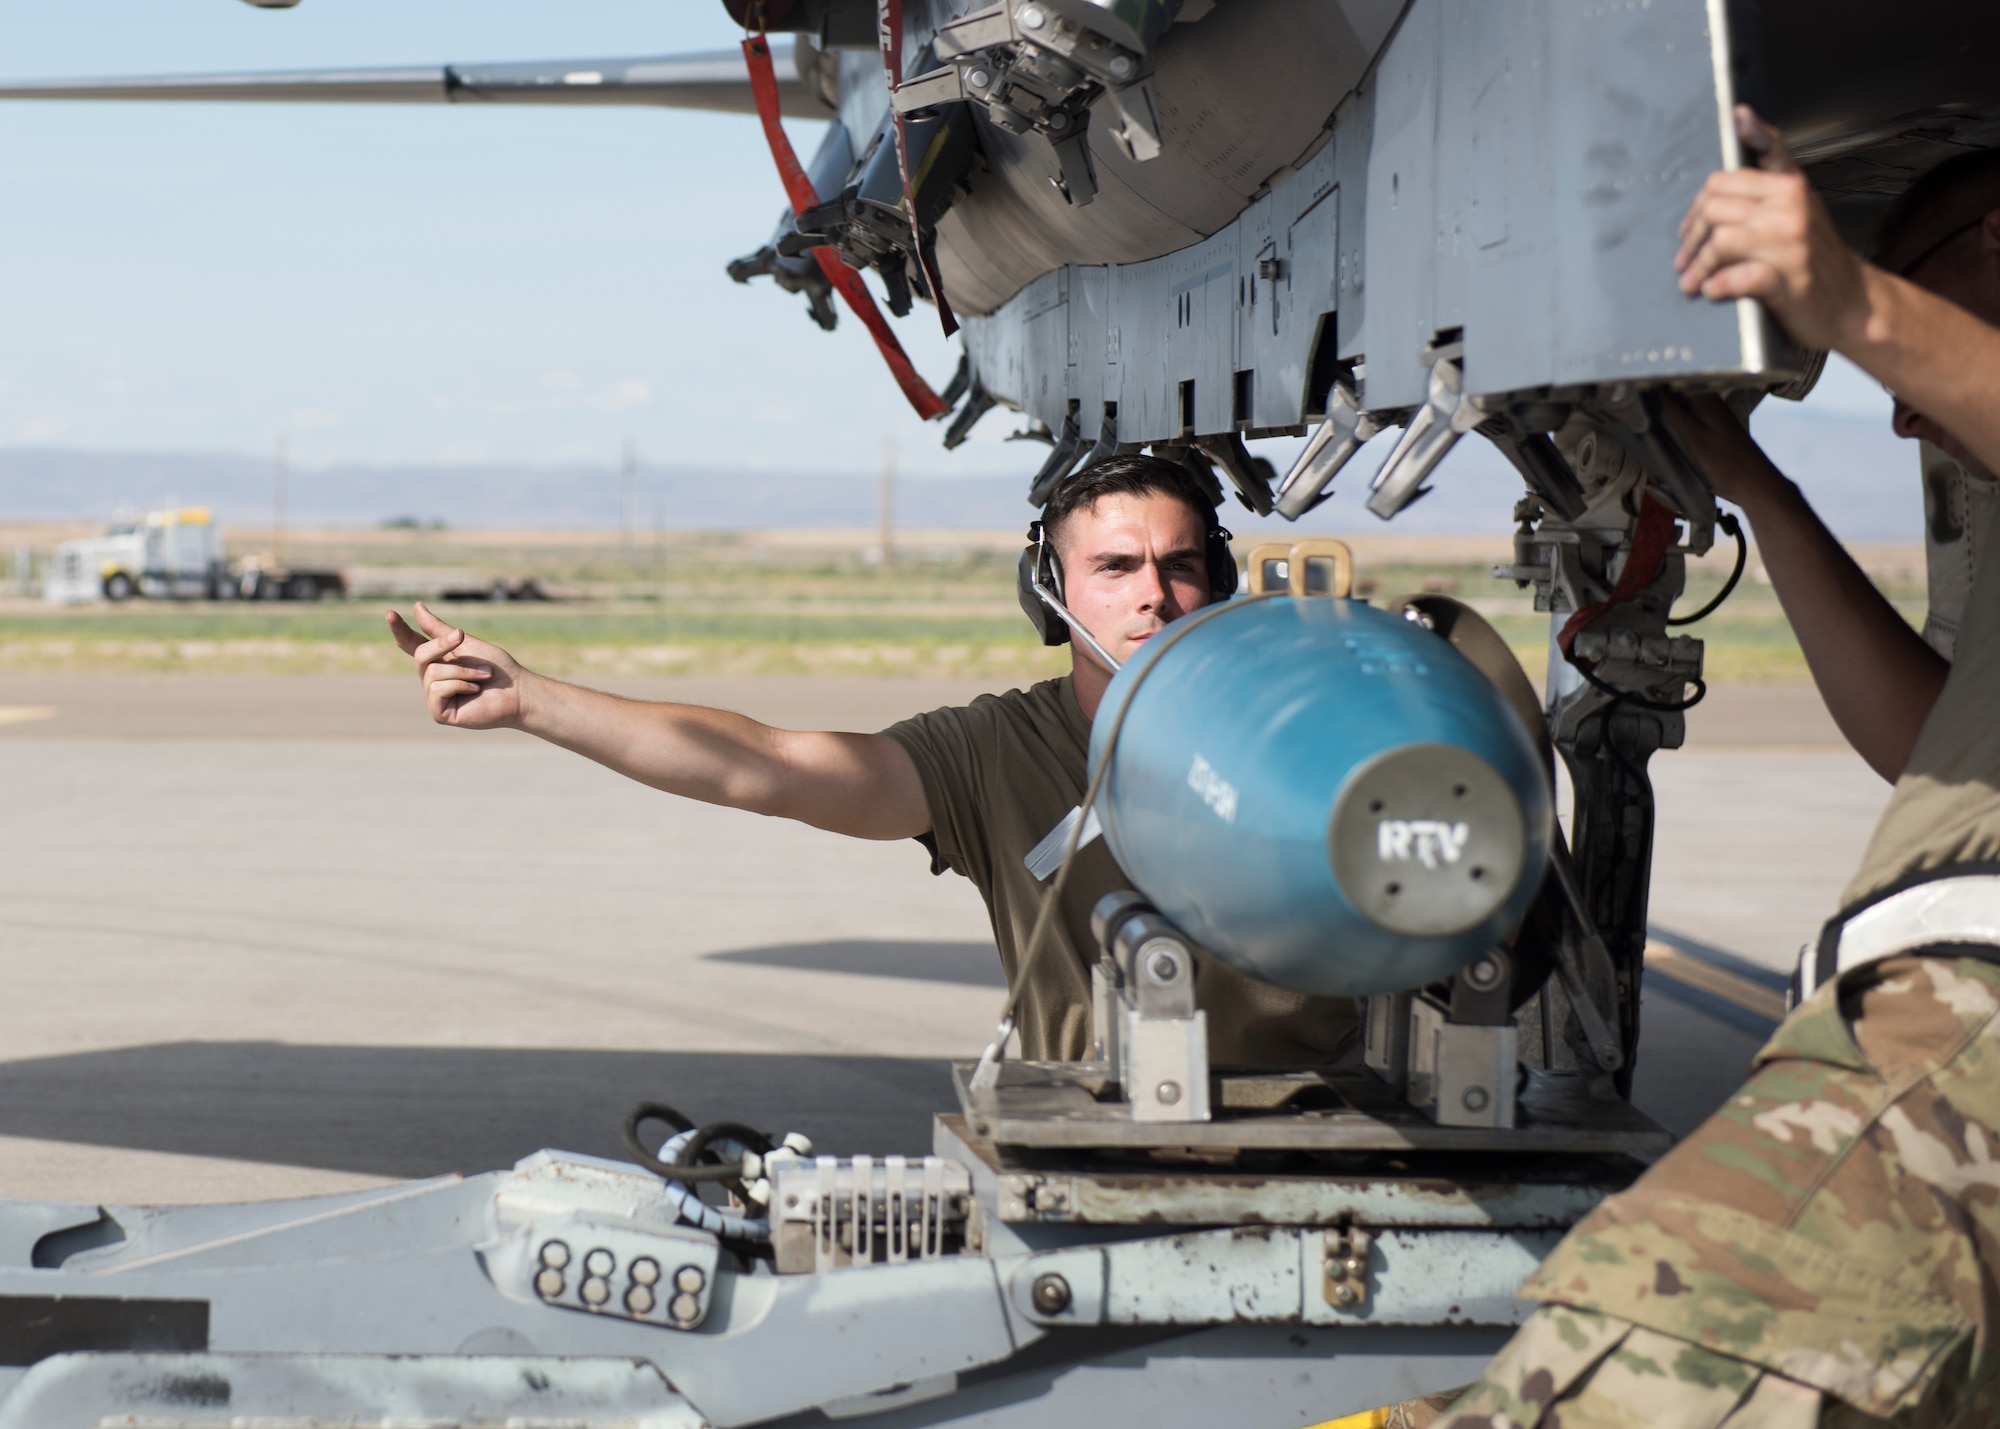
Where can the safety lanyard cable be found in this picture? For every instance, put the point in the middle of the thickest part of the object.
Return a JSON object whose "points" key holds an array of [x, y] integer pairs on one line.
{"points": [[1652, 537], [799, 189]]}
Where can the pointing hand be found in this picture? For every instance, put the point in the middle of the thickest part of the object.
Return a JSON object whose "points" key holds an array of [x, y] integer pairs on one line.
{"points": [[467, 682]]}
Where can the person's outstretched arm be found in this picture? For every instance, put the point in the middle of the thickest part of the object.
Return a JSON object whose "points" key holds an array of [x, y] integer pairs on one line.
{"points": [[1762, 233], [1878, 677], [863, 785]]}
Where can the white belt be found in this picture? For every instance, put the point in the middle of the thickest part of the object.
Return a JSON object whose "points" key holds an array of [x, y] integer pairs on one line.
{"points": [[1957, 908]]}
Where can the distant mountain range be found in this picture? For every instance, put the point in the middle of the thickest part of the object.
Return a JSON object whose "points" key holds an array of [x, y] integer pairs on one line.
{"points": [[1862, 478]]}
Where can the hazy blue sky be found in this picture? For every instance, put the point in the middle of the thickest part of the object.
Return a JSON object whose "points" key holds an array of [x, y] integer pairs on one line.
{"points": [[423, 283]]}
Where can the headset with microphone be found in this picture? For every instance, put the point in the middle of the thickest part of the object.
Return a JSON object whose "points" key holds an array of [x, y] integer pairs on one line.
{"points": [[1039, 578]]}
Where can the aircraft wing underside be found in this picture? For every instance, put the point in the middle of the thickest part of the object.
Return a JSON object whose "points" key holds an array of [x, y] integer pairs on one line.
{"points": [[714, 80], [1193, 221]]}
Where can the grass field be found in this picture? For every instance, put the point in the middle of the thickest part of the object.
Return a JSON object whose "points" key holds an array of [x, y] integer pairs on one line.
{"points": [[778, 602]]}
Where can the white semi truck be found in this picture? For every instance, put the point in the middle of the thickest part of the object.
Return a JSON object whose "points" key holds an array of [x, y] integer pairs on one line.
{"points": [[173, 555], [167, 553]]}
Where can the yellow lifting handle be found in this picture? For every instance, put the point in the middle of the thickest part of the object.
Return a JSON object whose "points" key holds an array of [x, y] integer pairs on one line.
{"points": [[1321, 565], [1317, 565], [1370, 1419], [1270, 565]]}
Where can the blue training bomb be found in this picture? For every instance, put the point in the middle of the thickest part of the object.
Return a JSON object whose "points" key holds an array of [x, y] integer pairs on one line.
{"points": [[1326, 796]]}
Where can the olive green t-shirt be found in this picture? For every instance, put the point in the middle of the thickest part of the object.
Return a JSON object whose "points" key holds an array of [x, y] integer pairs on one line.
{"points": [[1001, 772]]}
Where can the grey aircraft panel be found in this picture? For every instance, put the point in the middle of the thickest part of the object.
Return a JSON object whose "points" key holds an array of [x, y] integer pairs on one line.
{"points": [[1512, 171], [1186, 318], [1536, 219], [863, 97], [1355, 120], [1510, 216], [1299, 300], [1401, 202]]}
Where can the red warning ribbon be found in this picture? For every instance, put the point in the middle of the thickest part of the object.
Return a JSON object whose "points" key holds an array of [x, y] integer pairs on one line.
{"points": [[799, 189], [1652, 537], [889, 38]]}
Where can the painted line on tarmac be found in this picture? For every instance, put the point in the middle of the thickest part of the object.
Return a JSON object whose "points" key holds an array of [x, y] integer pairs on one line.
{"points": [[1727, 987]]}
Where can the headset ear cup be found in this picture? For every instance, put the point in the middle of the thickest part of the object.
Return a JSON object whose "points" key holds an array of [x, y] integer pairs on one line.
{"points": [[1222, 574], [1047, 623]]}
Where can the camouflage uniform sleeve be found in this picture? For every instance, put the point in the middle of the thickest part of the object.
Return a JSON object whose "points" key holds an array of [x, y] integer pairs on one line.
{"points": [[1578, 1370], [1556, 1349], [1832, 1232]]}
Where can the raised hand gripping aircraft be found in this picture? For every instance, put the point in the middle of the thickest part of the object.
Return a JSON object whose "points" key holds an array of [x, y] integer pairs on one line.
{"points": [[1173, 225]]}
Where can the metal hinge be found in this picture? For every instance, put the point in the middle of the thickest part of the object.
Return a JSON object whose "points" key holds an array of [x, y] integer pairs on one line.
{"points": [[1346, 1267]]}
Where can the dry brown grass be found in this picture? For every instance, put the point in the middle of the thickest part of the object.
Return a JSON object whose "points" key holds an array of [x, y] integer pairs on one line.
{"points": [[764, 602]]}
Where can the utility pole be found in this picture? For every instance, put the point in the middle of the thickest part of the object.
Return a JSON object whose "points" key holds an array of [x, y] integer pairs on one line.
{"points": [[278, 476], [628, 492], [888, 503], [659, 566]]}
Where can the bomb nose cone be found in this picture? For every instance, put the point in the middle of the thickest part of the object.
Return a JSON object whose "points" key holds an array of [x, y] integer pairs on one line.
{"points": [[1323, 795], [1427, 840]]}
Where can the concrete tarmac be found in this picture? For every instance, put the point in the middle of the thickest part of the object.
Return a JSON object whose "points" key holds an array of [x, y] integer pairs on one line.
{"points": [[275, 935]]}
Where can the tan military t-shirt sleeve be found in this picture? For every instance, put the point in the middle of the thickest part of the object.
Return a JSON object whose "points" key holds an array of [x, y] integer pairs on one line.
{"points": [[1946, 808], [948, 747]]}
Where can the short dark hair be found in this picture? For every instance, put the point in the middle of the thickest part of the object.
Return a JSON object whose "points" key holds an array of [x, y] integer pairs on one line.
{"points": [[1134, 475], [1938, 207]]}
